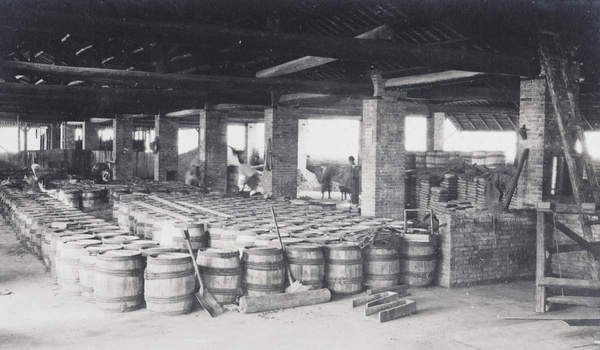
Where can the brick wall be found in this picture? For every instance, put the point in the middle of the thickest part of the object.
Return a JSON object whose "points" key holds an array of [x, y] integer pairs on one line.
{"points": [[69, 140], [382, 158], [166, 162], [281, 129], [123, 148], [485, 247], [212, 148]]}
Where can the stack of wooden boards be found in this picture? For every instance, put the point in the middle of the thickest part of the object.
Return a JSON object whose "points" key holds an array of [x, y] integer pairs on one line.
{"points": [[386, 305]]}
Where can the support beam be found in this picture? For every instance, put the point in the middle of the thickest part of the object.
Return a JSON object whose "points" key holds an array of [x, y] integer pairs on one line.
{"points": [[265, 41], [473, 109], [415, 81], [455, 93], [383, 32], [204, 83], [166, 159]]}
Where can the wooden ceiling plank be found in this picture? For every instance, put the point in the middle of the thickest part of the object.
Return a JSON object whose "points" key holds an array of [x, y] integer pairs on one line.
{"points": [[473, 109], [293, 43]]}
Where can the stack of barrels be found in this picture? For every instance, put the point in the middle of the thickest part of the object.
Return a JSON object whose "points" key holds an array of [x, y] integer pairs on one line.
{"points": [[139, 261]]}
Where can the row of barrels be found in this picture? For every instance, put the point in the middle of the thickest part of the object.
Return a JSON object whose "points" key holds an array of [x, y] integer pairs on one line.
{"points": [[437, 160]]}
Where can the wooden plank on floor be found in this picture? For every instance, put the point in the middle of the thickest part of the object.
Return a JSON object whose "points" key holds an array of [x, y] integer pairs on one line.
{"points": [[396, 312]]}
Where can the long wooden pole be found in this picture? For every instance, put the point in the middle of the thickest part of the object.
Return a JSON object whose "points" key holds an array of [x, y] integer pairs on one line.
{"points": [[515, 179]]}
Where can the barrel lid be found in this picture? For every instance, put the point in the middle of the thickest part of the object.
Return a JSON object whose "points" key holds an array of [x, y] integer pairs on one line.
{"points": [[138, 244], [304, 247], [122, 253], [119, 239], [75, 237], [97, 249], [81, 243], [218, 253], [157, 250], [169, 256], [342, 246], [262, 250]]}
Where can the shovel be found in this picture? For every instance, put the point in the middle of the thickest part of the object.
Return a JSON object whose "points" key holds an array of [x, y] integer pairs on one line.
{"points": [[205, 297], [295, 286]]}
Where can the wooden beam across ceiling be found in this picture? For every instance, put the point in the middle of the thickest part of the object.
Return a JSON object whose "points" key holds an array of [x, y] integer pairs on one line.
{"points": [[383, 32], [188, 81], [473, 109], [440, 58], [455, 93], [430, 79]]}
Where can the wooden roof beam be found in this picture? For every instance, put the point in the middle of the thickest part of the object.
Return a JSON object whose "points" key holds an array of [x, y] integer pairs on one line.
{"points": [[465, 94], [473, 109], [383, 32], [187, 81], [264, 41], [425, 80]]}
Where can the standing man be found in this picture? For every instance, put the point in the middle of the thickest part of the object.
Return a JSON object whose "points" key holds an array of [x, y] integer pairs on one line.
{"points": [[354, 177]]}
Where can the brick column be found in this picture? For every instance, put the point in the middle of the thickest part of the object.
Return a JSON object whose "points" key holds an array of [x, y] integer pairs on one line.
{"points": [[91, 140], [281, 131], [543, 141], [166, 160], [68, 136], [212, 148], [123, 148], [382, 158], [435, 131]]}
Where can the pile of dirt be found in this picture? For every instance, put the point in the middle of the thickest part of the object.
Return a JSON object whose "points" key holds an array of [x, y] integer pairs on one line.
{"points": [[307, 181]]}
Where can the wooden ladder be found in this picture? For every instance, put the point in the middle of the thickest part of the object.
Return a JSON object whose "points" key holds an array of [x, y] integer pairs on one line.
{"points": [[562, 74]]}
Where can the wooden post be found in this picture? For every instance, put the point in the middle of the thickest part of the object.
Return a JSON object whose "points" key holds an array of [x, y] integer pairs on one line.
{"points": [[540, 271], [512, 185]]}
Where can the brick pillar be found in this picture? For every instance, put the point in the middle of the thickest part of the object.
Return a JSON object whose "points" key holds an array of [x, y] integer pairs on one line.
{"points": [[68, 136], [91, 140], [281, 131], [166, 160], [435, 131], [212, 148], [123, 148], [382, 158], [543, 141]]}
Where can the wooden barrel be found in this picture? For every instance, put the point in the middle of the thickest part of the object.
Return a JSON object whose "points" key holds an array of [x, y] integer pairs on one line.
{"points": [[263, 271], [87, 263], [67, 265], [93, 198], [119, 281], [307, 263], [139, 244], [381, 265], [169, 283], [173, 236], [495, 159], [417, 263], [72, 198], [222, 273], [343, 268], [59, 239]]}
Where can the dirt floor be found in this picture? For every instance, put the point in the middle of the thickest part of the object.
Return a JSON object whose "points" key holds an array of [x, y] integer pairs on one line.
{"points": [[35, 315]]}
